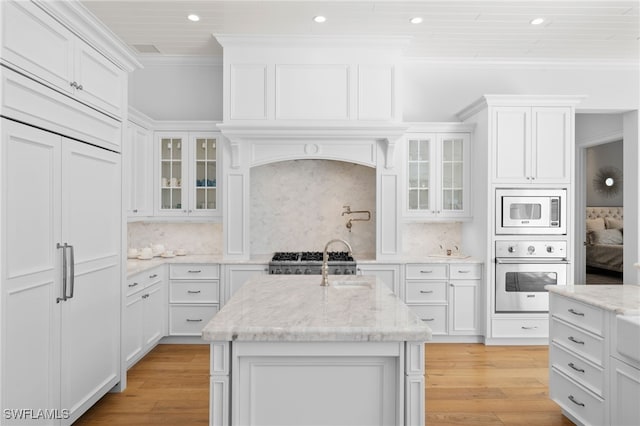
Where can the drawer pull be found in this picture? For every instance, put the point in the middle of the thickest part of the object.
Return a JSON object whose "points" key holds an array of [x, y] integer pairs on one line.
{"points": [[144, 296], [426, 291], [194, 271], [153, 276], [428, 319], [533, 327], [575, 401], [133, 285], [574, 340], [574, 312], [579, 370], [426, 272], [194, 320], [193, 291], [463, 271]]}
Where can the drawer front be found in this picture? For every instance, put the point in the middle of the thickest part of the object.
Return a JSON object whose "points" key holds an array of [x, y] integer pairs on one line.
{"points": [[464, 271], [583, 372], [424, 271], [194, 272], [426, 291], [533, 328], [142, 280], [587, 345], [435, 316], [577, 313], [187, 320], [199, 291], [579, 402]]}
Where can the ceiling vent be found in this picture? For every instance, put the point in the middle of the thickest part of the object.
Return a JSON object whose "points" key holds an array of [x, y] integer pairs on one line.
{"points": [[146, 48]]}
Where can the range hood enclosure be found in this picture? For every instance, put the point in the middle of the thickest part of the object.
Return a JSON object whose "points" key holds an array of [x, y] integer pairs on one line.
{"points": [[288, 98]]}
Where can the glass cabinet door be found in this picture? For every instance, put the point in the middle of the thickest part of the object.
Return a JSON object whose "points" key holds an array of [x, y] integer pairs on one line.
{"points": [[420, 173], [452, 189], [205, 176], [171, 173]]}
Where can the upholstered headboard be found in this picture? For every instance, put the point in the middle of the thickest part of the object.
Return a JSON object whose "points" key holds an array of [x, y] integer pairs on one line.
{"points": [[603, 212]]}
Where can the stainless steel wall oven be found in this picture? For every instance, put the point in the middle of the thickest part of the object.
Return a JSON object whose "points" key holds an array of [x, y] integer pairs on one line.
{"points": [[523, 269]]}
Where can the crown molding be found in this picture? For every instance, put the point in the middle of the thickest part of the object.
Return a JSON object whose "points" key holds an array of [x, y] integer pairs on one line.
{"points": [[519, 100], [180, 60], [295, 41], [545, 63]]}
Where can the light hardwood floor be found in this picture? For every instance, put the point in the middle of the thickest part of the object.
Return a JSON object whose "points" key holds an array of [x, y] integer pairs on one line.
{"points": [[466, 384]]}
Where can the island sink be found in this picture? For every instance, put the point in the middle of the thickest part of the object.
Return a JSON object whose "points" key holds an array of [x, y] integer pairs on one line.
{"points": [[287, 351]]}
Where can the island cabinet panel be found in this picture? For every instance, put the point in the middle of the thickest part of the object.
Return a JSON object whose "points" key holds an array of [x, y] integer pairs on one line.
{"points": [[235, 275], [389, 274]]}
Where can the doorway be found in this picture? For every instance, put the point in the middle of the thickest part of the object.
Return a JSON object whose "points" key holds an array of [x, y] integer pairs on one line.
{"points": [[599, 199]]}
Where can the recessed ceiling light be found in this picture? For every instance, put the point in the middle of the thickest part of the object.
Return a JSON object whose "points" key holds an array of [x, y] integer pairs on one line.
{"points": [[416, 20], [193, 17], [319, 19], [537, 21]]}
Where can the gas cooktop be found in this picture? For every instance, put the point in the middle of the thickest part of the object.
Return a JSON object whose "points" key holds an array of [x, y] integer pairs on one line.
{"points": [[310, 263]]}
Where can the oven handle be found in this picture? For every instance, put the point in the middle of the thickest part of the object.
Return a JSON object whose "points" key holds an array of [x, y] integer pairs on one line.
{"points": [[530, 261]]}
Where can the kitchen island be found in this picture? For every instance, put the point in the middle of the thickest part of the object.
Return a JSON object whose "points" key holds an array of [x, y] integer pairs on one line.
{"points": [[287, 351]]}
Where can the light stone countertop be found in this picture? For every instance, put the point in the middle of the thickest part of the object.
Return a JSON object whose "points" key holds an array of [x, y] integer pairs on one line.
{"points": [[286, 308], [621, 299], [135, 266]]}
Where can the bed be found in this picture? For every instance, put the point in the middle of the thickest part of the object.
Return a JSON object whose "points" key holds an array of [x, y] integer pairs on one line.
{"points": [[605, 232]]}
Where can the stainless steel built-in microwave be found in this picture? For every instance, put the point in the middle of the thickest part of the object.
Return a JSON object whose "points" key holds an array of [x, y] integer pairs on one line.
{"points": [[531, 211]]}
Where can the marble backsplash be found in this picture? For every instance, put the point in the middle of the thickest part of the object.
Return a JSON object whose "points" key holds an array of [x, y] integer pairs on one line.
{"points": [[196, 238], [426, 238], [297, 206]]}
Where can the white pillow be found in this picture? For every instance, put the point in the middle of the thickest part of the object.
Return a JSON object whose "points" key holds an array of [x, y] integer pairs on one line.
{"points": [[607, 236], [595, 224], [612, 223]]}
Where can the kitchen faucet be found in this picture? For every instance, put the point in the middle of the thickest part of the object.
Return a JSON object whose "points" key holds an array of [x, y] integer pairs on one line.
{"points": [[325, 259]]}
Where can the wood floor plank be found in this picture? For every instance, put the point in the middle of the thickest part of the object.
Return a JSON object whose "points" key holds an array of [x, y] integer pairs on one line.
{"points": [[466, 384]]}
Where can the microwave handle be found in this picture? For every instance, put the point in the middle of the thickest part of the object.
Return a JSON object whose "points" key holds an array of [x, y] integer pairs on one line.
{"points": [[520, 260]]}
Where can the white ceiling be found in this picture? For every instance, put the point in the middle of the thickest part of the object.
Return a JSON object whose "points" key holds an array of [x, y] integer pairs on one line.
{"points": [[573, 30]]}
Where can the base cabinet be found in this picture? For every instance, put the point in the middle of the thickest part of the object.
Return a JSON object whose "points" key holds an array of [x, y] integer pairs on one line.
{"points": [[625, 394], [446, 296], [389, 274], [145, 314], [194, 297]]}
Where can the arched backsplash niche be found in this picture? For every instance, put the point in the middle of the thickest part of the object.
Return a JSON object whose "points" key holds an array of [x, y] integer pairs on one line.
{"points": [[297, 205]]}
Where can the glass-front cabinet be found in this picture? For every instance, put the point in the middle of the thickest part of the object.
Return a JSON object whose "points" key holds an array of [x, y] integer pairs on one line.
{"points": [[437, 175], [188, 174]]}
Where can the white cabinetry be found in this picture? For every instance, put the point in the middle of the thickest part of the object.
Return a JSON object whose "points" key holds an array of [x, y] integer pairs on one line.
{"points": [[187, 174], [138, 156], [446, 296], [389, 274], [35, 43], [532, 144], [194, 297], [60, 335], [235, 275], [145, 316], [437, 175]]}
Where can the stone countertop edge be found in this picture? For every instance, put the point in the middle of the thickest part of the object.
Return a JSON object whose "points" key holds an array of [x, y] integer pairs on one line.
{"points": [[621, 299], [285, 308], [135, 266]]}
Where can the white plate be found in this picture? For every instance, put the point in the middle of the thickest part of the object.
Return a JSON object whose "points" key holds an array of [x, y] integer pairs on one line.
{"points": [[167, 255], [145, 257]]}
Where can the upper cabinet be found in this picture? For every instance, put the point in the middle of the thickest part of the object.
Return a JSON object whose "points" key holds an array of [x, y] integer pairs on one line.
{"points": [[36, 44], [187, 174], [138, 159], [437, 175], [532, 144]]}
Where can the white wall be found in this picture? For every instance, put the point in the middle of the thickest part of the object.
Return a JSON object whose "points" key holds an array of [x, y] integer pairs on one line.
{"points": [[178, 88], [436, 91]]}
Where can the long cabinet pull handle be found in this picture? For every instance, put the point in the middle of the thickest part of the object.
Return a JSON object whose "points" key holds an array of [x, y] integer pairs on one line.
{"points": [[574, 340], [194, 320], [572, 365], [574, 312], [533, 327], [195, 271], [153, 276], [72, 274], [575, 401], [426, 272], [64, 272], [426, 291], [193, 291], [428, 319], [463, 271], [133, 285]]}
